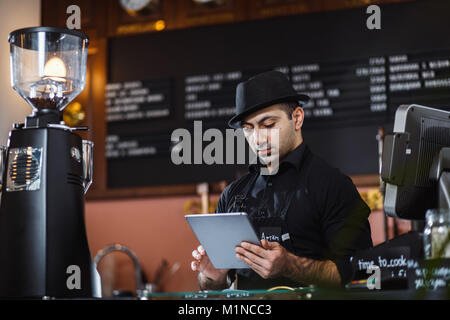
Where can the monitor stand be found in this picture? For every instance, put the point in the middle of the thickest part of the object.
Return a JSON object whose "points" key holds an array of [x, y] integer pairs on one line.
{"points": [[440, 172]]}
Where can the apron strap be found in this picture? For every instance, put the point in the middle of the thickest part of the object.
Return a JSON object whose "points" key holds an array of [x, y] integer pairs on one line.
{"points": [[238, 203]]}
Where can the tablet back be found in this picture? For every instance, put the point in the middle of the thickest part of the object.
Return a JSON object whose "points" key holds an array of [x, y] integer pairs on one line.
{"points": [[220, 233]]}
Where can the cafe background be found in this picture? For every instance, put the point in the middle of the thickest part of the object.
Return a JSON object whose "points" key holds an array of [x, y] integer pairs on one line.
{"points": [[150, 219]]}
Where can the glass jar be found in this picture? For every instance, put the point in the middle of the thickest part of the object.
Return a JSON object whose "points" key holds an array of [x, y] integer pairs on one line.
{"points": [[436, 234]]}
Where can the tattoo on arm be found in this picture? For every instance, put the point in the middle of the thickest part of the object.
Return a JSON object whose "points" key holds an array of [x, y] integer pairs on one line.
{"points": [[310, 271]]}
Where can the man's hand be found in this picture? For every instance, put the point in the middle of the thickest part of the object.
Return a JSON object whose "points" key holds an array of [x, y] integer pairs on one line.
{"points": [[205, 266], [269, 260], [273, 260]]}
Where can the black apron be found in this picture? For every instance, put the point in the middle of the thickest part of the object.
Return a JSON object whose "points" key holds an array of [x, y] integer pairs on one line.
{"points": [[272, 227]]}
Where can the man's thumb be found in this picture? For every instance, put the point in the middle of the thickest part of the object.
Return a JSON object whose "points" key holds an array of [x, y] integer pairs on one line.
{"points": [[268, 245], [264, 243]]}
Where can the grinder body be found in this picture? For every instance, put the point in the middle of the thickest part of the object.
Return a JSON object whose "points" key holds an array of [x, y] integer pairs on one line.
{"points": [[44, 250]]}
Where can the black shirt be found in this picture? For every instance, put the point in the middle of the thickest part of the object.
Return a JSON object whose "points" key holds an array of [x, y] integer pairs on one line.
{"points": [[327, 219]]}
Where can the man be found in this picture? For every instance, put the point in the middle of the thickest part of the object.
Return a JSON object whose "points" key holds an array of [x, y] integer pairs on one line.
{"points": [[309, 215]]}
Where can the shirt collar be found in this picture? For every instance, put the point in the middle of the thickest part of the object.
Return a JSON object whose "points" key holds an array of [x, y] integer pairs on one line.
{"points": [[293, 158]]}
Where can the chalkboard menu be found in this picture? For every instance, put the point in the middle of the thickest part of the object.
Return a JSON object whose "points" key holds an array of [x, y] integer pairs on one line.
{"points": [[356, 78], [137, 100], [430, 274], [401, 265]]}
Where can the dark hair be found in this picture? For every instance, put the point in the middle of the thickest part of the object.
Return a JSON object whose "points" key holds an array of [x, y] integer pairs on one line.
{"points": [[289, 108]]}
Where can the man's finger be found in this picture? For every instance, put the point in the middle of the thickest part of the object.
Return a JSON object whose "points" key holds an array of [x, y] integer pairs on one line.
{"points": [[196, 255], [254, 248], [251, 256], [194, 265], [255, 267], [201, 250]]}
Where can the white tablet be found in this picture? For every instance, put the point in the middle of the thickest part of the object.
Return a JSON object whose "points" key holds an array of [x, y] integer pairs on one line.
{"points": [[220, 233]]}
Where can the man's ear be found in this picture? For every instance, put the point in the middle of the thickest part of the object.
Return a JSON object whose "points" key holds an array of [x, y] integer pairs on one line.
{"points": [[298, 117]]}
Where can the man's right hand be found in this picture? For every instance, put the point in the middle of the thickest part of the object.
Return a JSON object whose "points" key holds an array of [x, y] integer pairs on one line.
{"points": [[203, 265]]}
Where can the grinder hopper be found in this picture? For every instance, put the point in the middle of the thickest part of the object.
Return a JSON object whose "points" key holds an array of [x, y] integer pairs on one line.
{"points": [[48, 67]]}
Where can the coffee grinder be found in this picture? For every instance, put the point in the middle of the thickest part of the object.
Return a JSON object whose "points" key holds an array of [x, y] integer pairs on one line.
{"points": [[46, 171]]}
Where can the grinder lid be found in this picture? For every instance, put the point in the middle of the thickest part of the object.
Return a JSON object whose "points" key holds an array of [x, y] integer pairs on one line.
{"points": [[55, 33]]}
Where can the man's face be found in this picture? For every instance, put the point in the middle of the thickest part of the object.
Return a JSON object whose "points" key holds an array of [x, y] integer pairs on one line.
{"points": [[270, 133]]}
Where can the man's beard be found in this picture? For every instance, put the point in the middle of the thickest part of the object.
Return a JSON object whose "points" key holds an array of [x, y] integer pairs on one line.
{"points": [[268, 155], [276, 154]]}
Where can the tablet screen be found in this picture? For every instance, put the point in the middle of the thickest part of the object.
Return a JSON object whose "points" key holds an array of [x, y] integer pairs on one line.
{"points": [[220, 233]]}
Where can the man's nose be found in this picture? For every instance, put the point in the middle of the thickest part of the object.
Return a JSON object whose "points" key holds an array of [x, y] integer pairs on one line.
{"points": [[260, 136]]}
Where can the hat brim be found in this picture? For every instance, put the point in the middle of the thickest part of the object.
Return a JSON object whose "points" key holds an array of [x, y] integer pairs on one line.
{"points": [[235, 122]]}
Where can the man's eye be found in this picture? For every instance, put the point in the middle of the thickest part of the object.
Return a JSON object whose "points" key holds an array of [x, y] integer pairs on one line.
{"points": [[270, 125], [247, 129]]}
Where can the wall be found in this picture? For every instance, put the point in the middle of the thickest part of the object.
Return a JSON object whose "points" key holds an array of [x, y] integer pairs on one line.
{"points": [[154, 229], [14, 14]]}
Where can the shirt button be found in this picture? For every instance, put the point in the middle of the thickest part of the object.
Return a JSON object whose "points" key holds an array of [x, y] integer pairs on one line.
{"points": [[269, 184]]}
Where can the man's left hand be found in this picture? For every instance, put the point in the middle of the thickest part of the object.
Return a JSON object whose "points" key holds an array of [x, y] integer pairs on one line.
{"points": [[268, 260]]}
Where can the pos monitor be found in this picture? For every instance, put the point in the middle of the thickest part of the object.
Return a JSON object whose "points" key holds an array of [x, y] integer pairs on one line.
{"points": [[416, 162]]}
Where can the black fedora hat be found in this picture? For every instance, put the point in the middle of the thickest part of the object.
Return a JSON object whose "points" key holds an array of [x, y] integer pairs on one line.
{"points": [[263, 90]]}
